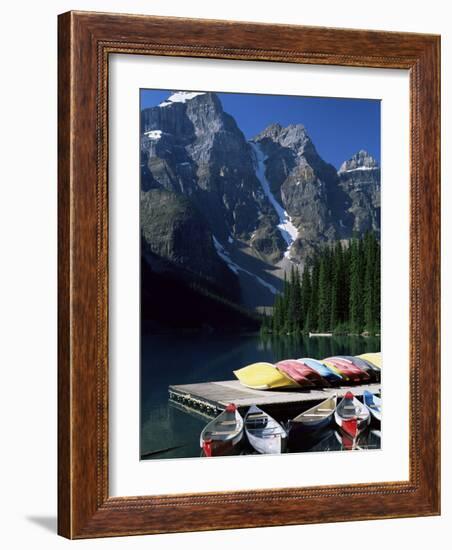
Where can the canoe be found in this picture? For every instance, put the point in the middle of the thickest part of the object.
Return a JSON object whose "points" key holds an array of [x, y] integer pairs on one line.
{"points": [[223, 435], [353, 373], [374, 358], [336, 371], [318, 417], [332, 376], [313, 375], [372, 366], [264, 433], [351, 415], [354, 370], [264, 376], [371, 370], [373, 403], [301, 373]]}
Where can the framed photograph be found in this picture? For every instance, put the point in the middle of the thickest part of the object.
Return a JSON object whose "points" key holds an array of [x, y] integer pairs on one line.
{"points": [[248, 275]]}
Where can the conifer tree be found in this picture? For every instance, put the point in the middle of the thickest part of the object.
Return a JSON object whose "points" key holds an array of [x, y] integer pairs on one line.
{"points": [[324, 293], [339, 288], [306, 299]]}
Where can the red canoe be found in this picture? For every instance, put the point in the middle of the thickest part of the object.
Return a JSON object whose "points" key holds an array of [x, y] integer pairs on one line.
{"points": [[301, 373], [352, 371]]}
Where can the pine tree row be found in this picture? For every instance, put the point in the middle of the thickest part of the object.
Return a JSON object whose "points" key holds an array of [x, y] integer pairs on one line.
{"points": [[338, 291]]}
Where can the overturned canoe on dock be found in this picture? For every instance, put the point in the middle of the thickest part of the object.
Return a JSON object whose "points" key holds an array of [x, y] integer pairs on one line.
{"points": [[264, 376], [301, 373], [264, 433], [347, 368], [374, 358], [317, 417], [330, 375], [372, 370], [351, 415], [223, 435]]}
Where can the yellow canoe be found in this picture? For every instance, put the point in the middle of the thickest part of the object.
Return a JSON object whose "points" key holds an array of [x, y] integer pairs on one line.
{"points": [[374, 358], [264, 376], [333, 367]]}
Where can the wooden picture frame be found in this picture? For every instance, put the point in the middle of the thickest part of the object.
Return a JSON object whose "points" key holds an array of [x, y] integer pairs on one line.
{"points": [[86, 40]]}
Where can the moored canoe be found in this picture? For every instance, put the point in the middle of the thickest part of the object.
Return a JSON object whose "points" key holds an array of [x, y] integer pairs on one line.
{"points": [[318, 417], [264, 433], [351, 415], [223, 435], [373, 403]]}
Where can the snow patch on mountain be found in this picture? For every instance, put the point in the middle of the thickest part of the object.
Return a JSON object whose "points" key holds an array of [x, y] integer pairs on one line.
{"points": [[153, 135], [224, 255], [287, 229], [359, 168], [180, 97]]}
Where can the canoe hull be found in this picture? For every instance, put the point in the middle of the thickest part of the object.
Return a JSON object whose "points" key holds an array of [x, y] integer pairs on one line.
{"points": [[353, 373], [264, 433], [224, 448], [264, 376], [304, 375], [354, 422], [373, 404], [275, 445], [298, 427], [224, 434]]}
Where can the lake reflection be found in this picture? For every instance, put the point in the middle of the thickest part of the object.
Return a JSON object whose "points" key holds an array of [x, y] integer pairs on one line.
{"points": [[169, 431]]}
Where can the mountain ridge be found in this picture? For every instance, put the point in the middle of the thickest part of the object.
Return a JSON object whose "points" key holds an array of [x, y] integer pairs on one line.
{"points": [[269, 202]]}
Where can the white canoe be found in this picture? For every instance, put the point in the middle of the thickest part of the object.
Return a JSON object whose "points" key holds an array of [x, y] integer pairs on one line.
{"points": [[223, 434], [264, 433]]}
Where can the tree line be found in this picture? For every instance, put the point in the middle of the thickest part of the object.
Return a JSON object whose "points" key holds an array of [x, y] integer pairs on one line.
{"points": [[338, 291]]}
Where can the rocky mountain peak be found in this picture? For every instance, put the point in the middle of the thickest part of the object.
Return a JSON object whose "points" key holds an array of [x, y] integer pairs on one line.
{"points": [[272, 131], [361, 160], [294, 136]]}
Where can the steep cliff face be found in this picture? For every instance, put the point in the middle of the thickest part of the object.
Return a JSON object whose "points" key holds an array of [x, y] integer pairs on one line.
{"points": [[191, 146], [306, 186], [359, 178], [232, 211]]}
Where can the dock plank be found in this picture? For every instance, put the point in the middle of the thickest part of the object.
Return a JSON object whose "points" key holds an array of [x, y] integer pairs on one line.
{"points": [[216, 395]]}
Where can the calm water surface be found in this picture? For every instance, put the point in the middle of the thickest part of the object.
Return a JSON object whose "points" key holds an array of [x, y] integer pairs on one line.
{"points": [[169, 432]]}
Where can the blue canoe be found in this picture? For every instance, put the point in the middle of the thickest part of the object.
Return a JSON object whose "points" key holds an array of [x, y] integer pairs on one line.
{"points": [[331, 376], [373, 403]]}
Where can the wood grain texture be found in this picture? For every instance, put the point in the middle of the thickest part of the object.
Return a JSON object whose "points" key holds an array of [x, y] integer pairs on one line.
{"points": [[85, 42]]}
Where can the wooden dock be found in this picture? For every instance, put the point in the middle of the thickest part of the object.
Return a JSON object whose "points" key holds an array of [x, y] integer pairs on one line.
{"points": [[212, 397]]}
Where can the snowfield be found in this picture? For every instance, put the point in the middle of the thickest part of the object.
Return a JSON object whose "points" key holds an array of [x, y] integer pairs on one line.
{"points": [[360, 168], [224, 255], [153, 135], [287, 229], [180, 97]]}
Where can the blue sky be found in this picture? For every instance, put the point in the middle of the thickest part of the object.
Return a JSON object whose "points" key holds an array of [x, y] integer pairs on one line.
{"points": [[338, 127]]}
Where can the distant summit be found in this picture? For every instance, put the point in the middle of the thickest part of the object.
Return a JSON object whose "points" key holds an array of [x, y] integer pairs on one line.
{"points": [[359, 161]]}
